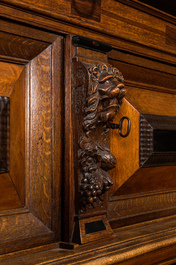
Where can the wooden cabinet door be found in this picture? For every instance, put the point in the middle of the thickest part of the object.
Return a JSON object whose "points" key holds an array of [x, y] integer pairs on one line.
{"points": [[31, 105]]}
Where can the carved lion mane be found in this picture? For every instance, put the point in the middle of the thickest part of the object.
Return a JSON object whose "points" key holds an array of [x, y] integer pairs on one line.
{"points": [[105, 83]]}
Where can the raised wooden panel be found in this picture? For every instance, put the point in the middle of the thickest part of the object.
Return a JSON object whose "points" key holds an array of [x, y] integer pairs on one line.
{"points": [[144, 177], [45, 123], [30, 207], [125, 167], [135, 153], [149, 179]]}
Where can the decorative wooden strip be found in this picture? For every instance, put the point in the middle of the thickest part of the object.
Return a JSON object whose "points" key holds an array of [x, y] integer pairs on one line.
{"points": [[138, 24], [17, 136], [170, 36], [134, 84], [128, 207], [143, 73], [4, 133], [87, 8], [164, 159], [151, 10], [145, 140], [20, 47], [161, 122], [57, 133], [161, 5]]}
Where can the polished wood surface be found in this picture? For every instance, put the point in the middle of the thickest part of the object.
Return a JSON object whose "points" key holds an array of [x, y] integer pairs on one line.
{"points": [[125, 168], [57, 133], [9, 197], [141, 29], [127, 249], [9, 75], [39, 204]]}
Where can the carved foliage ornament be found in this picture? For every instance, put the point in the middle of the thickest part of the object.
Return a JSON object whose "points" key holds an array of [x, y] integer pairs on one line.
{"points": [[104, 93]]}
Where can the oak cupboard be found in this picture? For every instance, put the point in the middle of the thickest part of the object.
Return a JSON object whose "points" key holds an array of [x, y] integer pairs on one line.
{"points": [[87, 132]]}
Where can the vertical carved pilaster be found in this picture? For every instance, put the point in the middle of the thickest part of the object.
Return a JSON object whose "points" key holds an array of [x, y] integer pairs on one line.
{"points": [[99, 90], [97, 93]]}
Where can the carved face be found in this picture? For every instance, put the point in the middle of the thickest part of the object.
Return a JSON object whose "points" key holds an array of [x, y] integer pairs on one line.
{"points": [[105, 92], [111, 91]]}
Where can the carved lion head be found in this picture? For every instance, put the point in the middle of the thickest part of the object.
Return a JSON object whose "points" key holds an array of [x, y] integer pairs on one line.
{"points": [[105, 93]]}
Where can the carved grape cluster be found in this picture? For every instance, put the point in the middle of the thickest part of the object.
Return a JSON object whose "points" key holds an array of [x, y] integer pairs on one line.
{"points": [[93, 181]]}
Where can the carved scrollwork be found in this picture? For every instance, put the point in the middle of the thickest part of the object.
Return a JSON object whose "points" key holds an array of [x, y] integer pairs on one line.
{"points": [[104, 93]]}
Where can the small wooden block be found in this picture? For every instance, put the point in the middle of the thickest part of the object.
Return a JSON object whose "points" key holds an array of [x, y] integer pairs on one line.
{"points": [[93, 229]]}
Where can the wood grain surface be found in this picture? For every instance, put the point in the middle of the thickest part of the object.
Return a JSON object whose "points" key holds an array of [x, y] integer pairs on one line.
{"points": [[125, 147], [143, 41], [9, 74], [72, 25], [69, 169], [20, 47], [17, 136], [142, 27], [40, 137], [92, 10], [154, 102], [131, 59], [26, 31], [16, 229], [9, 198], [148, 179], [137, 208], [170, 36], [134, 71], [34, 169], [145, 245]]}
